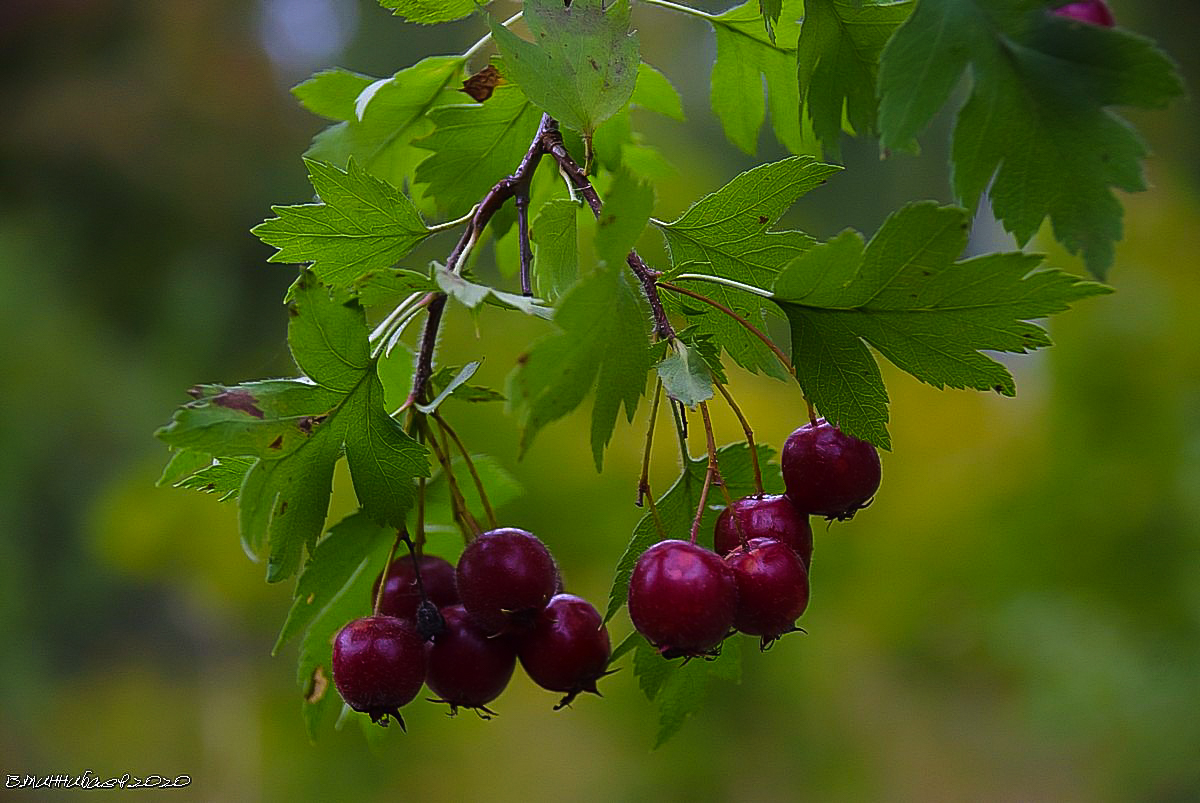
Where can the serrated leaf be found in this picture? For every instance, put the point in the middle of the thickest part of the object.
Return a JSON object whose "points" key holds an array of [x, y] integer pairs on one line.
{"points": [[677, 508], [297, 429], [555, 248], [623, 218], [581, 67], [463, 391], [838, 60], [381, 119], [430, 12], [654, 92], [475, 145], [604, 332], [223, 477], [679, 688], [471, 295], [905, 295], [746, 56], [1036, 126], [685, 376], [361, 224], [183, 463], [703, 346], [336, 559], [728, 234]]}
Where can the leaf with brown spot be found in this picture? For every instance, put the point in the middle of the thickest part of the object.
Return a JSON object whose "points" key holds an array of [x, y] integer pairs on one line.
{"points": [[481, 85]]}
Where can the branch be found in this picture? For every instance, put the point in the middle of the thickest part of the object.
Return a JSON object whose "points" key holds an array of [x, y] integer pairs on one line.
{"points": [[553, 145]]}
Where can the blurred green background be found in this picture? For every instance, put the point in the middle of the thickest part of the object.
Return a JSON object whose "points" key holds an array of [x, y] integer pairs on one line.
{"points": [[1017, 617]]}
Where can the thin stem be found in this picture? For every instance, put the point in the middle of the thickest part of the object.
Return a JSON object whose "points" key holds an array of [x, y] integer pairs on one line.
{"points": [[734, 283], [458, 505], [758, 483], [693, 12], [452, 224], [710, 444], [812, 412], [483, 497], [644, 481], [745, 323], [708, 478], [420, 513], [681, 430], [386, 568], [487, 37]]}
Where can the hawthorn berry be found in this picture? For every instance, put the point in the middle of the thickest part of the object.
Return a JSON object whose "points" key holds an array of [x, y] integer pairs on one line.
{"points": [[1094, 11], [568, 648], [827, 472], [378, 666], [682, 598], [401, 596], [467, 667], [772, 586], [764, 516], [504, 578]]}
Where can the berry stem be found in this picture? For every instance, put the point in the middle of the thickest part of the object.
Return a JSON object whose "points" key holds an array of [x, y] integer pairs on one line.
{"points": [[386, 568], [711, 474], [812, 412], [483, 497], [758, 483], [458, 505], [751, 328], [644, 480]]}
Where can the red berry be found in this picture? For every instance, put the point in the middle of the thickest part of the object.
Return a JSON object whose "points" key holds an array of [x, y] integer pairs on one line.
{"points": [[568, 648], [827, 472], [468, 668], [682, 598], [400, 596], [378, 665], [772, 586], [1093, 11], [504, 578], [764, 516]]}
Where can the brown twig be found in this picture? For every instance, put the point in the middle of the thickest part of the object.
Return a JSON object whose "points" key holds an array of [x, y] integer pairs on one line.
{"points": [[749, 433], [466, 455], [644, 480]]}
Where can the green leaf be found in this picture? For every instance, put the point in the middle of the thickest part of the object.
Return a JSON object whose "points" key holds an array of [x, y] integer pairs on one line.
{"points": [[361, 224], [381, 120], [296, 430], [677, 508], [623, 218], [728, 234], [430, 12], [334, 562], [770, 10], [332, 93], [475, 145], [460, 378], [223, 477], [390, 286], [654, 92], [183, 464], [746, 56], [555, 248], [905, 295], [462, 391], [581, 67], [1036, 126], [838, 60], [604, 334], [680, 688], [352, 600], [685, 376], [471, 295]]}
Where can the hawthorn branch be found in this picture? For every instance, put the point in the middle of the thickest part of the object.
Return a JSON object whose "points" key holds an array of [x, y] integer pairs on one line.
{"points": [[552, 143]]}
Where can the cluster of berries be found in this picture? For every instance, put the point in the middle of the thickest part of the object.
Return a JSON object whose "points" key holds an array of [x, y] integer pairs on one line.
{"points": [[461, 630], [686, 599]]}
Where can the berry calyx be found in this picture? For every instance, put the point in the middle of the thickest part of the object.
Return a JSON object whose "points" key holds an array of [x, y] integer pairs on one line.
{"points": [[827, 472], [378, 666], [468, 668], [401, 596], [764, 516], [772, 586], [682, 598], [504, 578], [1094, 11], [568, 649]]}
